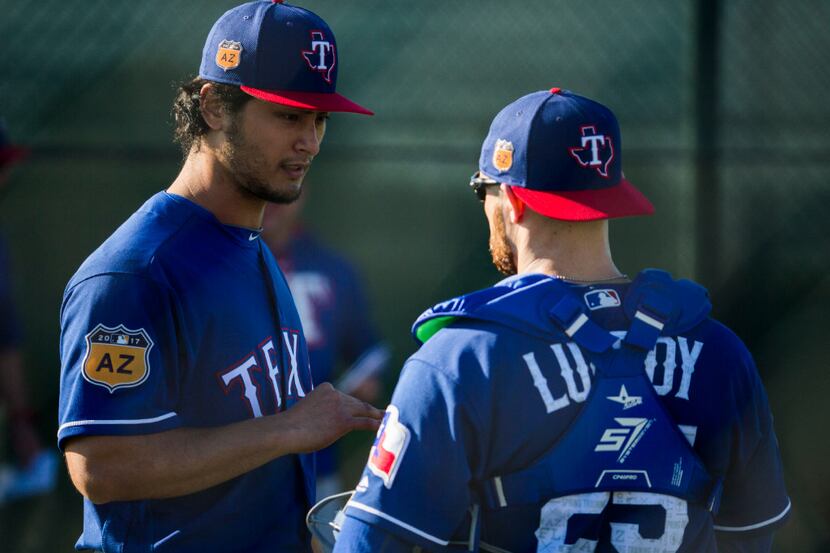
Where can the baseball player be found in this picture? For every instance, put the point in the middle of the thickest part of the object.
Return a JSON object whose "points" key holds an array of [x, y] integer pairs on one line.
{"points": [[332, 304], [187, 410], [569, 408]]}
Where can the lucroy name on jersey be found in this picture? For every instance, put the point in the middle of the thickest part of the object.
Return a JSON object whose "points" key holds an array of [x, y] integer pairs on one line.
{"points": [[571, 378]]}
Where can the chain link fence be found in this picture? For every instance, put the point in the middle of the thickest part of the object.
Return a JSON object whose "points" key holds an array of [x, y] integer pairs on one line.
{"points": [[88, 84]]}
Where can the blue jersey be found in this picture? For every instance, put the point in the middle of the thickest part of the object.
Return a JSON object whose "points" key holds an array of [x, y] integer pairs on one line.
{"points": [[335, 314], [491, 395], [177, 321]]}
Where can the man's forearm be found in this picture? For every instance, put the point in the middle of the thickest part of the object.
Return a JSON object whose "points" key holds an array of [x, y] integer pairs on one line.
{"points": [[187, 460], [173, 463]]}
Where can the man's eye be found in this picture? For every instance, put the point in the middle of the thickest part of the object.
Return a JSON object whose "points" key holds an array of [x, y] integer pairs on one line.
{"points": [[287, 116]]}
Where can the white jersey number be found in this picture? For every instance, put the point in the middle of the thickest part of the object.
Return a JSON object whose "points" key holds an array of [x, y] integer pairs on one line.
{"points": [[562, 517]]}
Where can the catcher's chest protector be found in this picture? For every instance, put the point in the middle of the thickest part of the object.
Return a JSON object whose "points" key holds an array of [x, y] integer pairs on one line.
{"points": [[623, 440]]}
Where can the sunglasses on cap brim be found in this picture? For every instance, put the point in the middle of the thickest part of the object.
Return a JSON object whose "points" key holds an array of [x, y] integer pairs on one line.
{"points": [[479, 184]]}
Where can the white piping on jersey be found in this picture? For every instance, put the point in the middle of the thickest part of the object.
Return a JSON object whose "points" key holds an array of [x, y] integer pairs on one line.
{"points": [[577, 324], [473, 527], [651, 321], [755, 526], [500, 491], [167, 538], [393, 520], [118, 421]]}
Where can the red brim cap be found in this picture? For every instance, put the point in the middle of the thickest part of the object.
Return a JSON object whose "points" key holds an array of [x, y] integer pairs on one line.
{"points": [[622, 200], [315, 101], [12, 154]]}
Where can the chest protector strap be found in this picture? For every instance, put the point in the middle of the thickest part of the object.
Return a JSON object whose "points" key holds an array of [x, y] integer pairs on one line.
{"points": [[623, 439]]}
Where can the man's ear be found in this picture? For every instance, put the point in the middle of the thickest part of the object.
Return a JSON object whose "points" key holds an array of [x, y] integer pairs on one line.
{"points": [[516, 206], [212, 111]]}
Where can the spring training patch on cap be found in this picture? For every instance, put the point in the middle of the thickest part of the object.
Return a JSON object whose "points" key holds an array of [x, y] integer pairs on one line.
{"points": [[229, 54], [503, 155], [117, 357]]}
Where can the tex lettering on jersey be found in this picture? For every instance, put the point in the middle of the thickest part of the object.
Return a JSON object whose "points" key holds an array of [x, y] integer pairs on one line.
{"points": [[246, 376]]}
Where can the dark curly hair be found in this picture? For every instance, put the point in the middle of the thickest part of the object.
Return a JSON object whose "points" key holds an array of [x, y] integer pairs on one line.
{"points": [[190, 126]]}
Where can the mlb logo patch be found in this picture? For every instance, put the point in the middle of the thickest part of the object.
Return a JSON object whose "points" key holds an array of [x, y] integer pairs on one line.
{"points": [[117, 357], [503, 155], [390, 445], [600, 299], [229, 54]]}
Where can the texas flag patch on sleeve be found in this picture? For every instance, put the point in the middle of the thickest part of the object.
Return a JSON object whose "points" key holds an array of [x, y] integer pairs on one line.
{"points": [[390, 444]]}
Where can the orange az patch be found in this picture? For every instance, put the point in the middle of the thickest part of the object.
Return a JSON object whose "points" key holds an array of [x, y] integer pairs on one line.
{"points": [[117, 357], [229, 54], [503, 155]]}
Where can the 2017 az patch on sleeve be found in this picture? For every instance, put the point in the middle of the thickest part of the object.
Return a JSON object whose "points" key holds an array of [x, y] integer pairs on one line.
{"points": [[117, 357], [390, 444]]}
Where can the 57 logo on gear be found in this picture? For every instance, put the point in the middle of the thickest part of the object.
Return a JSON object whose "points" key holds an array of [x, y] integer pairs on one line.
{"points": [[624, 439], [117, 357]]}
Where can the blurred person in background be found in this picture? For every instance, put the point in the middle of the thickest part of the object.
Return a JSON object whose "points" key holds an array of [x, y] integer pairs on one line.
{"points": [[34, 469], [334, 309]]}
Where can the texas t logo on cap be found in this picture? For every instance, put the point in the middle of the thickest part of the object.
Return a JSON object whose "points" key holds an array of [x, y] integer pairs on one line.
{"points": [[322, 56], [596, 151]]}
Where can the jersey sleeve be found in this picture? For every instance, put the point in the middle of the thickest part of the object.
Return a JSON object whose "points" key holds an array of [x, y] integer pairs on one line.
{"points": [[416, 482], [118, 358], [754, 497]]}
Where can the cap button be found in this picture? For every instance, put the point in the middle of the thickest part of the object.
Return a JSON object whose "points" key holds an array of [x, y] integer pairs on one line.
{"points": [[555, 90]]}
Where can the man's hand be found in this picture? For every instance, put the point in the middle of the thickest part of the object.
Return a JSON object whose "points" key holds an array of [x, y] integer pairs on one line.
{"points": [[325, 415]]}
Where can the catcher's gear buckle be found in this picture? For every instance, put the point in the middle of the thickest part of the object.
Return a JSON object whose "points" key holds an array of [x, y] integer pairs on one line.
{"points": [[325, 519]]}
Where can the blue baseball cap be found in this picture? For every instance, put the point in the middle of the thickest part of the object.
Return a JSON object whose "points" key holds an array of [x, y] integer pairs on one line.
{"points": [[561, 153], [279, 53]]}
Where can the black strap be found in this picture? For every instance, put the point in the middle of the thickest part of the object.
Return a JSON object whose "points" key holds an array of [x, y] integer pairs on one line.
{"points": [[273, 302]]}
